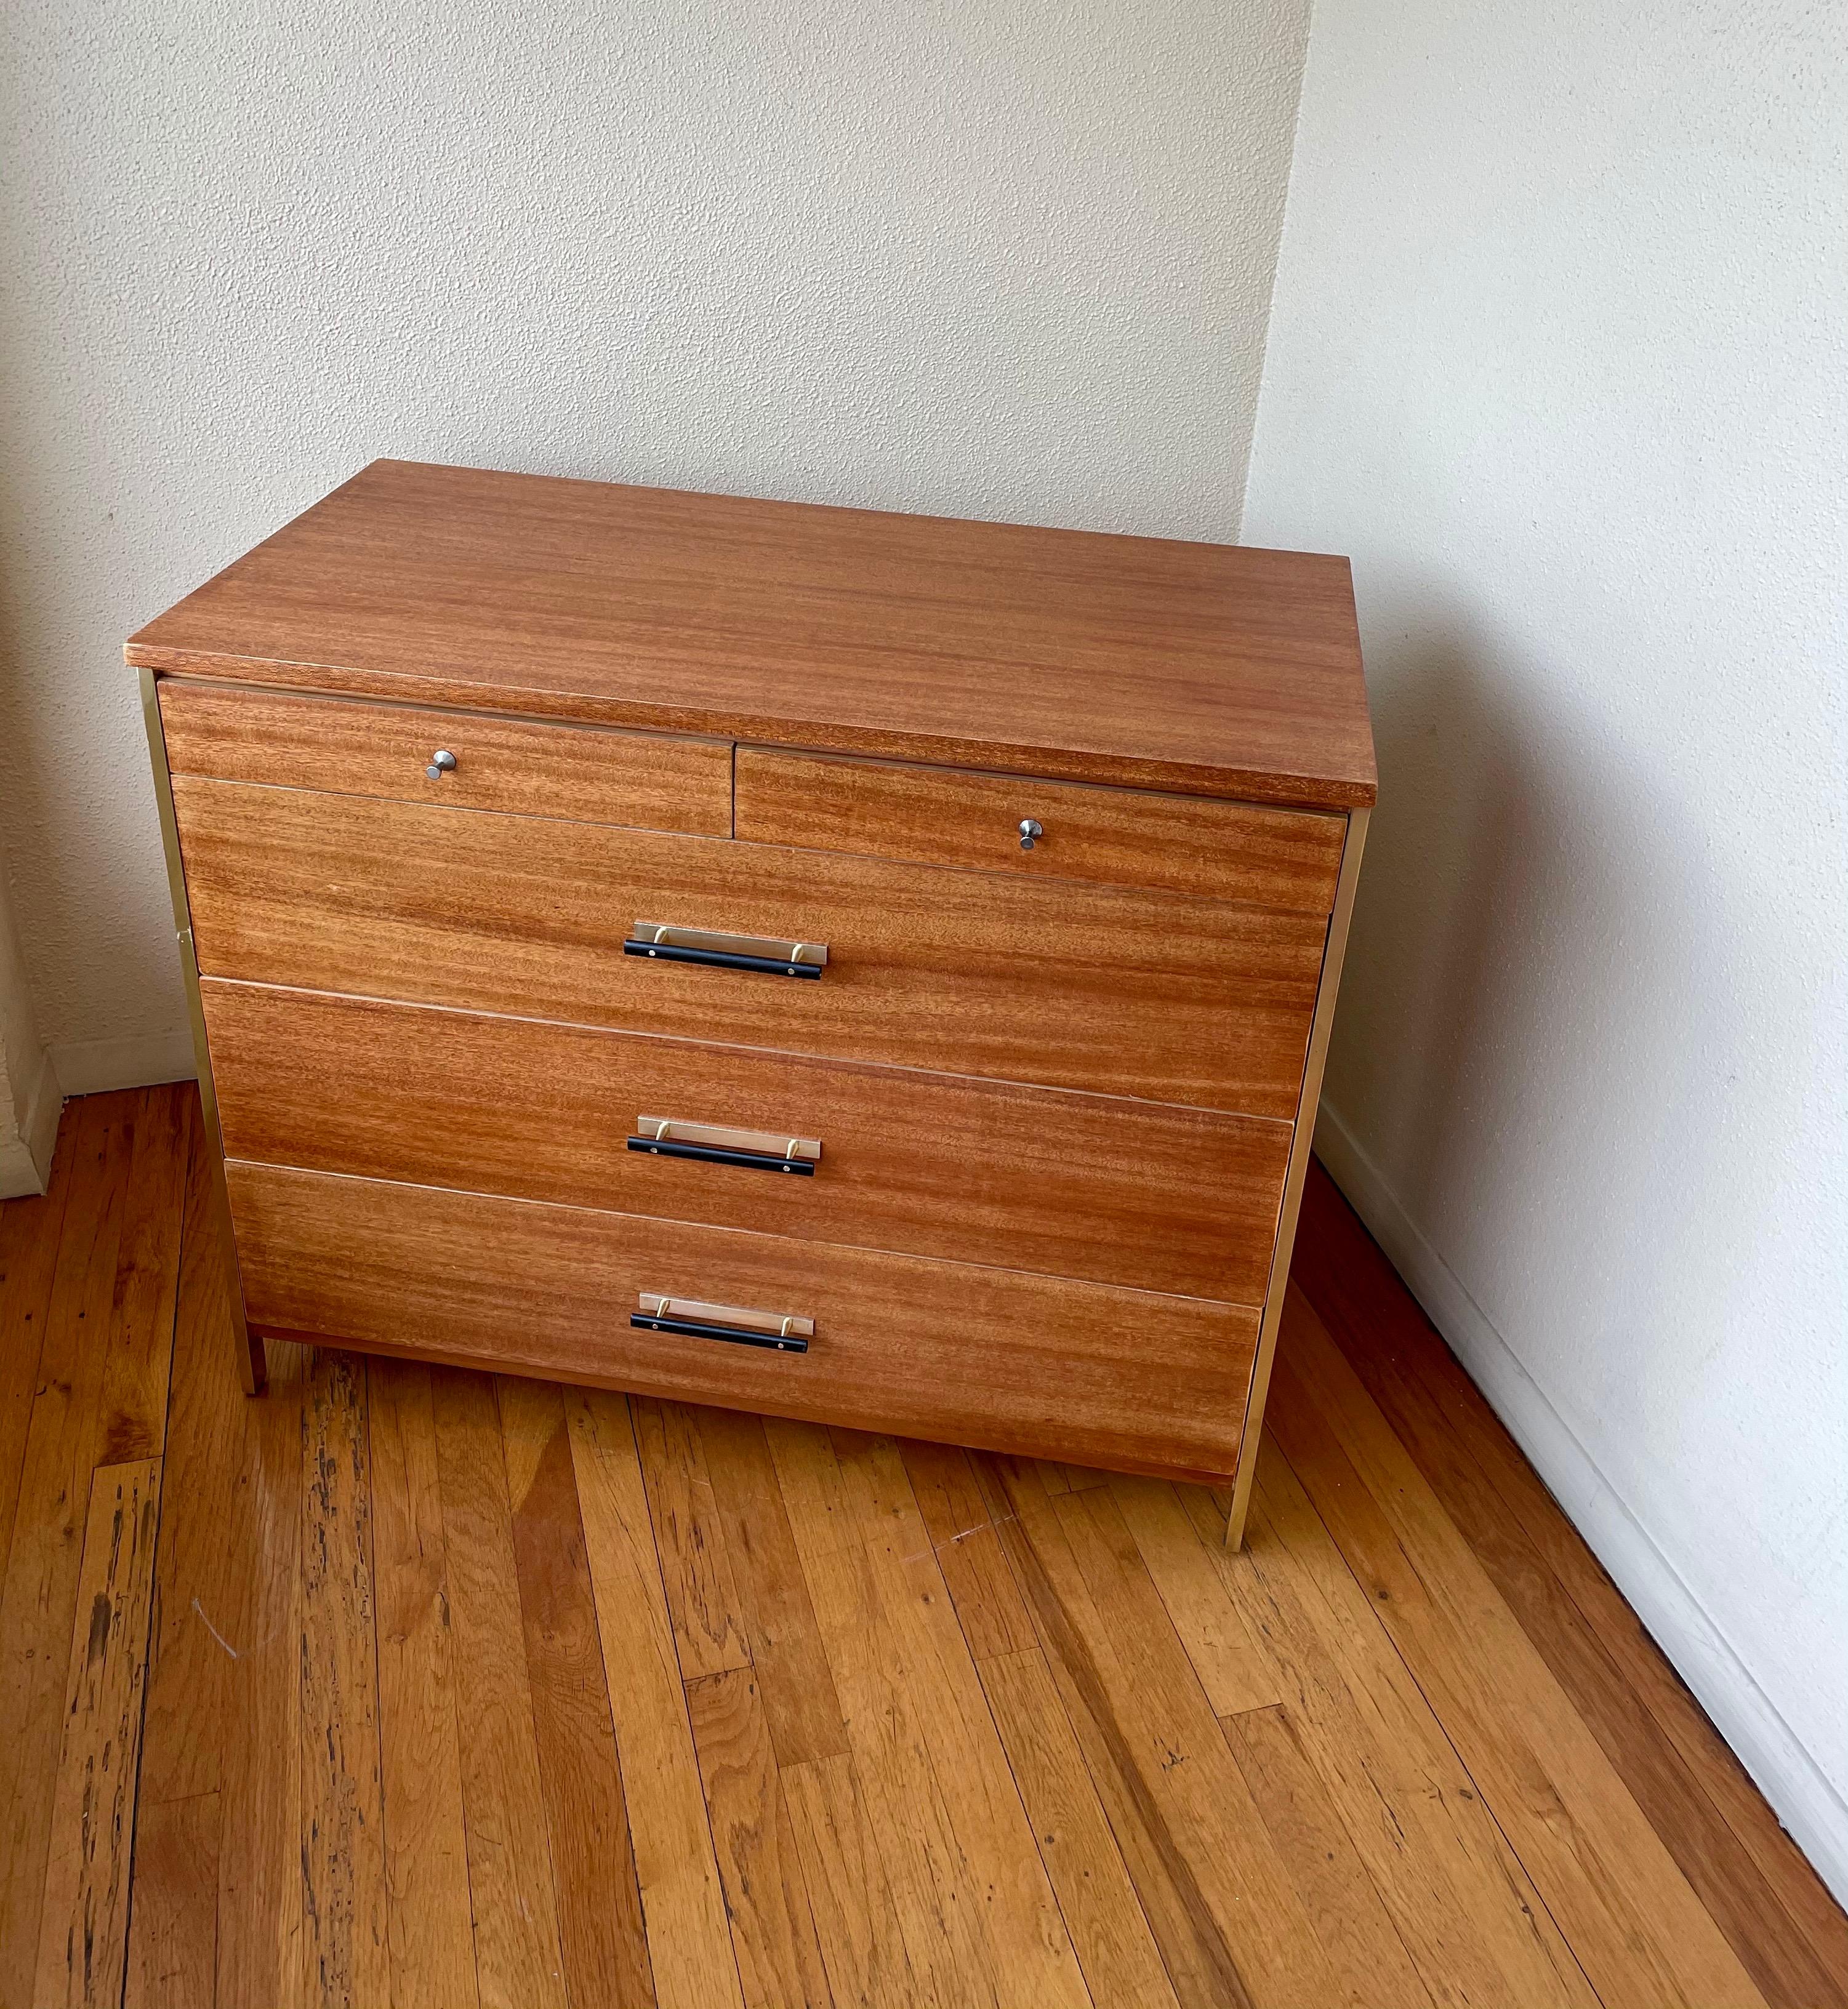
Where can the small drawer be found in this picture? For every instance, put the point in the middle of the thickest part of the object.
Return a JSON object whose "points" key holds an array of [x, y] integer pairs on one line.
{"points": [[462, 759], [1030, 1364], [1096, 1187], [1057, 830]]}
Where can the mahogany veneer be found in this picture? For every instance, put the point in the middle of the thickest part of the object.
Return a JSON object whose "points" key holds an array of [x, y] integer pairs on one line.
{"points": [[872, 968]]}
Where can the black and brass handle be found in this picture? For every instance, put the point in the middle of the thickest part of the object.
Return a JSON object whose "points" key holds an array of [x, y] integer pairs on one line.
{"points": [[712, 1144], [692, 1318], [762, 953]]}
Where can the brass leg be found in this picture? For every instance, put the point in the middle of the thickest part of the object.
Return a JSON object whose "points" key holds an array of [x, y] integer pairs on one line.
{"points": [[252, 1366], [253, 1359], [1320, 1027]]}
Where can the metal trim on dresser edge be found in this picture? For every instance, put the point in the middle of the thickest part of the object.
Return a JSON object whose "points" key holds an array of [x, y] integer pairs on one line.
{"points": [[1321, 1026], [251, 1366]]}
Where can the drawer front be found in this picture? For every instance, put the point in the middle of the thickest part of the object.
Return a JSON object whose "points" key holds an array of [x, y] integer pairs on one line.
{"points": [[946, 815], [1144, 994], [645, 780], [986, 1357], [1026, 1178]]}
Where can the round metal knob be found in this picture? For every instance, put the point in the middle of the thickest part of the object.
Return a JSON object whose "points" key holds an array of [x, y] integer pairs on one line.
{"points": [[441, 763], [1030, 829]]}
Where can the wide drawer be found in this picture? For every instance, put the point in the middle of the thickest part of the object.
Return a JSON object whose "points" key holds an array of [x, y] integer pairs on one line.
{"points": [[1153, 995], [1127, 837], [643, 780], [992, 1358], [1028, 1179]]}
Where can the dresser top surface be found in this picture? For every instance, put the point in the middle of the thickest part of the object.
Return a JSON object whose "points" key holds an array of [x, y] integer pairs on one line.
{"points": [[1211, 668]]}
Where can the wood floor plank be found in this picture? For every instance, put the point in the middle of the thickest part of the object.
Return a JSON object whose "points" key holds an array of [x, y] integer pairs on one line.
{"points": [[684, 1903], [600, 1910], [1025, 1484], [518, 1959], [1360, 1939], [1235, 1671], [1222, 1907], [344, 1940], [141, 1344], [30, 1233], [173, 1947], [1116, 1951], [173, 1921], [1207, 1798], [935, 1893], [430, 1927], [779, 1958], [851, 1892], [969, 1552], [1789, 1933], [774, 1599], [38, 1599], [1463, 1906], [808, 1477], [689, 1539], [1202, 1967], [220, 1768], [1632, 1921], [202, 1568], [1029, 1952], [856, 1916], [82, 1936], [255, 1618]]}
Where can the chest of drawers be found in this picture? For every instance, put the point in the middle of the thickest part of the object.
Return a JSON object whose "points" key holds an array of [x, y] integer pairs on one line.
{"points": [[869, 969]]}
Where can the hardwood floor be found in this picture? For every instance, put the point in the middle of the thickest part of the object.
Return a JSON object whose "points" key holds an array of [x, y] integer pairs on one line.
{"points": [[401, 1685]]}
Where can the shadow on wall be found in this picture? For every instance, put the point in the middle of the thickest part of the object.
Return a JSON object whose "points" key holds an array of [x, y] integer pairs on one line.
{"points": [[1521, 1045]]}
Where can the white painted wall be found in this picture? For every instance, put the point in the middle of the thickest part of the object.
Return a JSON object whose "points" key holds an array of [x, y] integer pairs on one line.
{"points": [[1005, 261], [1558, 354]]}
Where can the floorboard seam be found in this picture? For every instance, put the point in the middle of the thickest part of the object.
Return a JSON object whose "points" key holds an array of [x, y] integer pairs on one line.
{"points": [[635, 1444], [1443, 1729]]}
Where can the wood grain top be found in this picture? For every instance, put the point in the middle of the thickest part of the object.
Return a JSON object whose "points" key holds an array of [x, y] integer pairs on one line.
{"points": [[1210, 668]]}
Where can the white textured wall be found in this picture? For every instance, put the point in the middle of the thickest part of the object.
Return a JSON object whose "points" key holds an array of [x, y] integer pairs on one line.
{"points": [[1001, 260], [1560, 354]]}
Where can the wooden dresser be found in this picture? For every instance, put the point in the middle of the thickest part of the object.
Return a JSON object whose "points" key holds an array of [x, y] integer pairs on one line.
{"points": [[872, 968]]}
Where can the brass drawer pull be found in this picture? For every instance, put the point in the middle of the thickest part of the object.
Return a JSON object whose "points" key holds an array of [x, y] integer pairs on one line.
{"points": [[694, 1318], [710, 1143], [762, 953]]}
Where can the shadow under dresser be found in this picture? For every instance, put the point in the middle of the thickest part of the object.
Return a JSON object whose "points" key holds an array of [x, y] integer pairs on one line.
{"points": [[865, 968]]}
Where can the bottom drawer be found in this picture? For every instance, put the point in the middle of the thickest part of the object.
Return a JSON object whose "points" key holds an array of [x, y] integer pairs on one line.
{"points": [[994, 1358]]}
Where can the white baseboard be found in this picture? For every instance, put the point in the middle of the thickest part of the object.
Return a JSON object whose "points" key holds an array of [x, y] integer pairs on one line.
{"points": [[1802, 1797], [25, 1160], [92, 1067]]}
